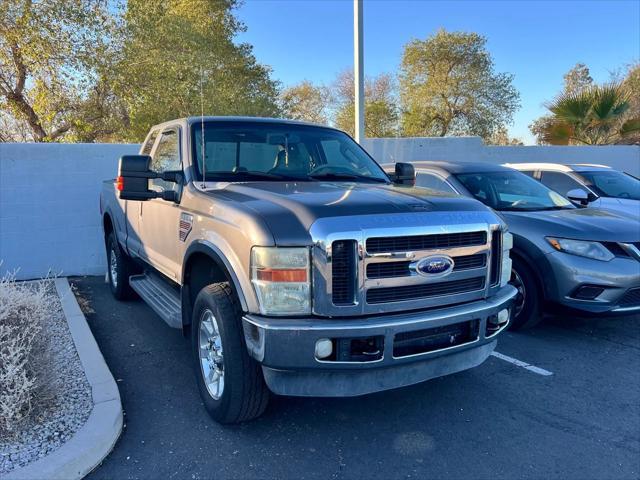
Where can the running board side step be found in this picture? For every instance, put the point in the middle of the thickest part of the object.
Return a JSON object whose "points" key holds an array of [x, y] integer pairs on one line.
{"points": [[160, 296]]}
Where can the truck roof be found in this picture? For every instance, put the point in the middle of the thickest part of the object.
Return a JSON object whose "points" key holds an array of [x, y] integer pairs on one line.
{"points": [[208, 118]]}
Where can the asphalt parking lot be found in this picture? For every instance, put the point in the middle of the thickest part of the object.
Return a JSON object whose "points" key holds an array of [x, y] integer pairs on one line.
{"points": [[574, 414]]}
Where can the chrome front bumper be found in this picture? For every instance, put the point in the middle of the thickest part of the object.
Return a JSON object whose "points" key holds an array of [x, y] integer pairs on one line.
{"points": [[285, 347]]}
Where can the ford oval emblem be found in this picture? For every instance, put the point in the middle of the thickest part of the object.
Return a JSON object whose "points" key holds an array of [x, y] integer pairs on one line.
{"points": [[437, 265]]}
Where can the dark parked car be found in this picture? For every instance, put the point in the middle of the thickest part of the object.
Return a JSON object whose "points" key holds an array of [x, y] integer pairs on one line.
{"points": [[584, 259]]}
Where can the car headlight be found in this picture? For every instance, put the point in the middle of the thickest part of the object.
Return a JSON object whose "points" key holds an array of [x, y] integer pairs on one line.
{"points": [[281, 278], [582, 248]]}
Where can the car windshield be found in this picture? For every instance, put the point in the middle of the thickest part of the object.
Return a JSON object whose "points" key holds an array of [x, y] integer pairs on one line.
{"points": [[261, 151], [611, 183], [512, 191]]}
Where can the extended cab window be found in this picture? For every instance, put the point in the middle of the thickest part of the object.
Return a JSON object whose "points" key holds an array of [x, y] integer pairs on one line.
{"points": [[166, 158], [148, 145]]}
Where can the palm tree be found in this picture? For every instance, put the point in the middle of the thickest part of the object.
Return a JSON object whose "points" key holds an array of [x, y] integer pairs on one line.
{"points": [[593, 116]]}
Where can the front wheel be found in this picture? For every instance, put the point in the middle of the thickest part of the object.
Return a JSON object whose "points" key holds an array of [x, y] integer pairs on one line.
{"points": [[527, 305], [229, 380]]}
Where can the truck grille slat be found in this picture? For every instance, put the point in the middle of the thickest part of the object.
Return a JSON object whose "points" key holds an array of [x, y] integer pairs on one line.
{"points": [[401, 269], [415, 292], [496, 248], [343, 272], [425, 242]]}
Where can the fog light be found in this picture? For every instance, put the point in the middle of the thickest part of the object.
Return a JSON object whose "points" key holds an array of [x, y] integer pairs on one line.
{"points": [[587, 292], [324, 348], [503, 316]]}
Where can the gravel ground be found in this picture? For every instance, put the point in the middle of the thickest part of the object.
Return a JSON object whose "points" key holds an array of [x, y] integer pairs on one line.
{"points": [[64, 406]]}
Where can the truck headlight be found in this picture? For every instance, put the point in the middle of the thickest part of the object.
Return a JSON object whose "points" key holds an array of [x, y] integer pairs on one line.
{"points": [[594, 250], [505, 271], [281, 278]]}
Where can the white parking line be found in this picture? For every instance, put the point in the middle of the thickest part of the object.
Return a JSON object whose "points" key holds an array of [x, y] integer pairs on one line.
{"points": [[520, 363]]}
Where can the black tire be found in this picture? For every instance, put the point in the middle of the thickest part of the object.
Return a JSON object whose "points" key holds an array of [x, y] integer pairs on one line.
{"points": [[124, 268], [527, 309], [244, 395]]}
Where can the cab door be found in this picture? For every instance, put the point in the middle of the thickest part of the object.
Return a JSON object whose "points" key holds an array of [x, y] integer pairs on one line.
{"points": [[159, 220], [132, 208]]}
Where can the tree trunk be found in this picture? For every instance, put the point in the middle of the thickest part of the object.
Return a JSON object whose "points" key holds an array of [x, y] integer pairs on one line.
{"points": [[20, 104]]}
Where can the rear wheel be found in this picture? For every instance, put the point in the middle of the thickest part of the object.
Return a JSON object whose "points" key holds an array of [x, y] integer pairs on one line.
{"points": [[119, 268], [527, 312], [229, 380]]}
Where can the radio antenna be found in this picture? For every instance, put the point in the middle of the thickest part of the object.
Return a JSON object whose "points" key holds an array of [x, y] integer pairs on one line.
{"points": [[203, 143]]}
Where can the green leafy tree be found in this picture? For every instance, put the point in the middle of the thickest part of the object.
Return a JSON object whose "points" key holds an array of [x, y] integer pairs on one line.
{"points": [[380, 111], [594, 116], [305, 101], [448, 86], [171, 51], [50, 54]]}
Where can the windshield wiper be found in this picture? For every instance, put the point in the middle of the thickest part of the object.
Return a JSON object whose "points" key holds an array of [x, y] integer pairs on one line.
{"points": [[346, 176], [251, 174]]}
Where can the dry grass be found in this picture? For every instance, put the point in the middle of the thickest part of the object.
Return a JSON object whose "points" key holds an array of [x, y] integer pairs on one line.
{"points": [[24, 307], [83, 302]]}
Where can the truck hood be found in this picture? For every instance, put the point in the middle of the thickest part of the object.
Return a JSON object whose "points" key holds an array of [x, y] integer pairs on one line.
{"points": [[290, 208], [575, 223]]}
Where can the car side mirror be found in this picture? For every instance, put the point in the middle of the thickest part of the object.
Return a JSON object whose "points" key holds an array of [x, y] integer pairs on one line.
{"points": [[405, 174], [134, 173], [579, 197]]}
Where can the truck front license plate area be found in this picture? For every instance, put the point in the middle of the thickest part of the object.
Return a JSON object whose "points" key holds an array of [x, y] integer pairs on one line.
{"points": [[437, 338]]}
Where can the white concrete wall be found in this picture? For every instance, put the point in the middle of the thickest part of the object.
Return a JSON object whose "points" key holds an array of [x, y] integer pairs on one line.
{"points": [[49, 193], [49, 207], [471, 149]]}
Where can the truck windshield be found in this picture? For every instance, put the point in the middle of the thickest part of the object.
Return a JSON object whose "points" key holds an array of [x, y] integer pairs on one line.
{"points": [[261, 151], [611, 183], [512, 191]]}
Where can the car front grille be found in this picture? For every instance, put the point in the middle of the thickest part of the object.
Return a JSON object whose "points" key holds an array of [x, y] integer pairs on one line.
{"points": [[425, 242], [371, 271], [402, 269], [343, 272], [631, 298], [425, 290]]}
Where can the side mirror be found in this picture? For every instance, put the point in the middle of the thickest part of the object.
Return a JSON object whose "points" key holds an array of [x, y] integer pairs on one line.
{"points": [[134, 173], [579, 197], [405, 174]]}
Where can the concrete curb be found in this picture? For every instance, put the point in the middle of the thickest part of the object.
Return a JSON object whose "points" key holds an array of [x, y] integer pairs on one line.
{"points": [[96, 438]]}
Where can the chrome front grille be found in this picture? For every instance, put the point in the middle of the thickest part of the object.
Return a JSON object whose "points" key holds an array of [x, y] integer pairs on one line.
{"points": [[425, 242], [403, 269], [427, 290], [369, 264]]}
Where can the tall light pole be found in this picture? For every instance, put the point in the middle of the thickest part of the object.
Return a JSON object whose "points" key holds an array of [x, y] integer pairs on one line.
{"points": [[358, 69]]}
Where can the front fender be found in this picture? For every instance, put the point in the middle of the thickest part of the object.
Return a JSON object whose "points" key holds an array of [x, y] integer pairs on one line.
{"points": [[230, 265]]}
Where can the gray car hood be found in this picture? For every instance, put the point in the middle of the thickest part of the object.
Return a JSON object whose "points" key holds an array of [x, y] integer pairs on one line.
{"points": [[576, 223], [290, 208]]}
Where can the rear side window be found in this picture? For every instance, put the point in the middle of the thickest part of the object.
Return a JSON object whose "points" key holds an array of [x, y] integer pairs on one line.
{"points": [[148, 145], [166, 158], [560, 182]]}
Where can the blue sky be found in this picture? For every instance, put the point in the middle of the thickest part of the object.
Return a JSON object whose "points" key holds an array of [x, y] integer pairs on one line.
{"points": [[537, 41]]}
